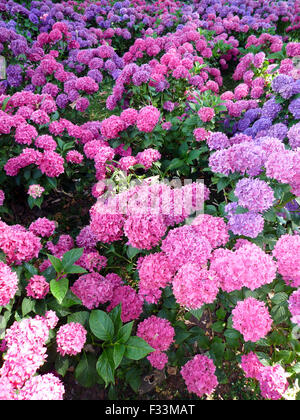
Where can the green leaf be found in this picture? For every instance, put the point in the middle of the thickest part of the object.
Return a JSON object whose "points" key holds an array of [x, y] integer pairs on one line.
{"points": [[197, 313], [132, 252], [71, 257], [56, 263], [118, 353], [101, 325], [81, 317], [105, 368], [61, 365], [85, 372], [115, 316], [133, 377], [27, 306], [137, 348], [75, 269], [59, 288], [218, 326], [279, 298], [124, 332]]}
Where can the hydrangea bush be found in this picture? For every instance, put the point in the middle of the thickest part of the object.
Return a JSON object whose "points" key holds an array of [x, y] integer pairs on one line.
{"points": [[150, 197]]}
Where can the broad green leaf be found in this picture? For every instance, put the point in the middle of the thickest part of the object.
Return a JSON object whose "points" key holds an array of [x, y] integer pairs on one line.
{"points": [[118, 353], [71, 257], [85, 372], [27, 306], [75, 269], [101, 325], [81, 317], [137, 348], [124, 332], [105, 368], [59, 288], [61, 365], [56, 262], [115, 316]]}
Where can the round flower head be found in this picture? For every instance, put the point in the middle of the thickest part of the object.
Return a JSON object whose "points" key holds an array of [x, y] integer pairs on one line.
{"points": [[252, 319], [42, 388], [145, 231], [251, 365], [147, 119], [184, 244], [214, 229], [248, 266], [254, 194], [92, 289], [37, 287], [70, 339], [199, 375], [155, 272], [287, 254], [35, 191], [158, 359], [193, 286], [8, 284], [131, 302], [273, 382], [42, 227], [294, 307], [206, 114], [157, 332]]}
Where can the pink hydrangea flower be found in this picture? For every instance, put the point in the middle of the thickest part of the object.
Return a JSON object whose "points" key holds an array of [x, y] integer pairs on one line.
{"points": [[252, 319], [35, 191], [42, 388], [157, 332], [37, 287], [92, 289], [70, 339], [199, 375], [43, 227], [8, 284], [206, 114], [287, 253], [147, 119], [194, 286], [131, 302]]}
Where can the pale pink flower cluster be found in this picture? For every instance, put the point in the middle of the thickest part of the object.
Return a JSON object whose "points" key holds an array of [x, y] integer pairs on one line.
{"points": [[194, 286], [145, 231], [155, 273], [8, 284], [272, 379], [74, 157], [252, 319], [26, 350], [131, 303], [71, 339], [214, 229], [184, 245], [147, 157], [287, 254], [92, 289], [43, 227], [35, 191], [199, 375], [37, 287], [249, 266], [159, 334], [42, 388]]}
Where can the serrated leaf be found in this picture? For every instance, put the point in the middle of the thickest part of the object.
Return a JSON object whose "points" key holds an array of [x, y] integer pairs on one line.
{"points": [[81, 317]]}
